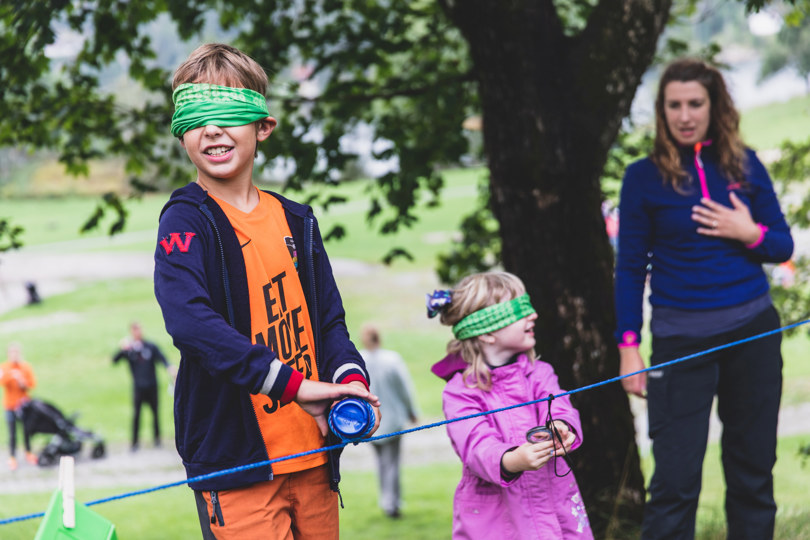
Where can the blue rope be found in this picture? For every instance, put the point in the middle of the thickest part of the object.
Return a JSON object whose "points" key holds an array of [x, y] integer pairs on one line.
{"points": [[414, 429]]}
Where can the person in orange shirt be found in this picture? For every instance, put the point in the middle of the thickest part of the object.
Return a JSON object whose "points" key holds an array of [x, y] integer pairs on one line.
{"points": [[17, 378], [249, 298]]}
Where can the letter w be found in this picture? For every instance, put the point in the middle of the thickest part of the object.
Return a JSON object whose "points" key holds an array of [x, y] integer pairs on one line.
{"points": [[174, 240]]}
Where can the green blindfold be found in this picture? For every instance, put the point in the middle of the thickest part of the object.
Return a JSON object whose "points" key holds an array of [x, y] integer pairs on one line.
{"points": [[493, 317], [197, 105]]}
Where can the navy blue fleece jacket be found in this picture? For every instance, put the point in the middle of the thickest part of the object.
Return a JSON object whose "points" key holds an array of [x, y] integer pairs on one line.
{"points": [[201, 286], [688, 270]]}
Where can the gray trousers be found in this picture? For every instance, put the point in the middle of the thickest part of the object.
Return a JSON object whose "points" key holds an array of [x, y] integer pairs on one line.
{"points": [[388, 473]]}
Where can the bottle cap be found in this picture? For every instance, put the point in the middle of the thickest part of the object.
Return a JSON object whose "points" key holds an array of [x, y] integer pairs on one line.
{"points": [[351, 418]]}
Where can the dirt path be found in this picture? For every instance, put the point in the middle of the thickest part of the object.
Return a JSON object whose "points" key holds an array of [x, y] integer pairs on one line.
{"points": [[157, 467]]}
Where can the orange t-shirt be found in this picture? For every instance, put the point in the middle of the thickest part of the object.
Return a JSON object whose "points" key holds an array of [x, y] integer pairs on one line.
{"points": [[279, 319], [17, 379]]}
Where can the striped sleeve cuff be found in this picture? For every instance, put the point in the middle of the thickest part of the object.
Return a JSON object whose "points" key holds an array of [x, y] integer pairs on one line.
{"points": [[350, 372], [355, 377], [291, 390], [282, 382]]}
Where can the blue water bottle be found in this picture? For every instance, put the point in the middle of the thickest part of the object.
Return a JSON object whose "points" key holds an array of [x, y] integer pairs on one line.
{"points": [[351, 418]]}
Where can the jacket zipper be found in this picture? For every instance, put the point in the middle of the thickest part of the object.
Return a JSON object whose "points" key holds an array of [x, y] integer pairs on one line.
{"points": [[228, 303], [225, 280], [216, 510], [309, 229], [309, 233], [227, 286], [704, 187]]}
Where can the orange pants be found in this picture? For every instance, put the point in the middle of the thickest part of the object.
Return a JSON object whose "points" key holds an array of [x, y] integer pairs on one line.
{"points": [[298, 506]]}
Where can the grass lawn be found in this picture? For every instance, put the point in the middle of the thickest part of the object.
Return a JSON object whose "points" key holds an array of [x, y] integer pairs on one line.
{"points": [[767, 126]]}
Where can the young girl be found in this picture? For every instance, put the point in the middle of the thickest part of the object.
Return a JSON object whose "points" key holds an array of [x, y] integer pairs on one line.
{"points": [[509, 488]]}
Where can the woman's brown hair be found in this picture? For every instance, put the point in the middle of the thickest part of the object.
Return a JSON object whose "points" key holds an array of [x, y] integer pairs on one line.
{"points": [[724, 124]]}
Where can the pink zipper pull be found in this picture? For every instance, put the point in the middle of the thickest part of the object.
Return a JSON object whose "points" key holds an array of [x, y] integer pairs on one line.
{"points": [[704, 189]]}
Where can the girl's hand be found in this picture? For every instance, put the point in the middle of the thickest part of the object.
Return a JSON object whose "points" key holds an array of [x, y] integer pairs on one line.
{"points": [[528, 456], [721, 221], [567, 437]]}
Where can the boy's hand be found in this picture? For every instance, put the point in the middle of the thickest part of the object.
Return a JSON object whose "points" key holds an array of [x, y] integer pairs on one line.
{"points": [[315, 397], [375, 405]]}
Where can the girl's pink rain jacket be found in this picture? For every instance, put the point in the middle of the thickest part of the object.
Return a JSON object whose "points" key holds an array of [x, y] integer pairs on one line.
{"points": [[537, 504]]}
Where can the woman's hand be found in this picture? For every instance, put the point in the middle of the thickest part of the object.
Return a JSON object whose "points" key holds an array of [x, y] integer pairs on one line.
{"points": [[724, 222], [528, 456], [631, 362]]}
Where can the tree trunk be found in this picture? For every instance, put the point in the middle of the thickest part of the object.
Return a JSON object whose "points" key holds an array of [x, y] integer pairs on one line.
{"points": [[548, 125]]}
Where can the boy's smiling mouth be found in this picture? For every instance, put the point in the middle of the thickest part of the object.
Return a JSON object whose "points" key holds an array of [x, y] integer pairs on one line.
{"points": [[217, 151]]}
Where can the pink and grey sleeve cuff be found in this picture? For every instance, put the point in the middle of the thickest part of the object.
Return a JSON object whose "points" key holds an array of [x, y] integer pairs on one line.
{"points": [[629, 339], [762, 230]]}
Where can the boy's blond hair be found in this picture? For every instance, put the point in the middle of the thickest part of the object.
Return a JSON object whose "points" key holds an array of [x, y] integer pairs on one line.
{"points": [[218, 63], [472, 293]]}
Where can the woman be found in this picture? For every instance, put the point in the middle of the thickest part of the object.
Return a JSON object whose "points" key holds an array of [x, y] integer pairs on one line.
{"points": [[700, 216]]}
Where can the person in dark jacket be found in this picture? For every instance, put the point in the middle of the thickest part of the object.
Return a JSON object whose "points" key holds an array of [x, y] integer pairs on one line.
{"points": [[248, 296], [142, 357], [700, 217]]}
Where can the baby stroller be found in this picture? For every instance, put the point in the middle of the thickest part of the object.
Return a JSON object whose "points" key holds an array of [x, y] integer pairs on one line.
{"points": [[42, 417]]}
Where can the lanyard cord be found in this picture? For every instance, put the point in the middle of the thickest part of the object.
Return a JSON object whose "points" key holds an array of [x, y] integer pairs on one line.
{"points": [[556, 437]]}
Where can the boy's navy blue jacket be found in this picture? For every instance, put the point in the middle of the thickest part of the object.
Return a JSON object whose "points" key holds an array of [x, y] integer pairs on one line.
{"points": [[201, 286]]}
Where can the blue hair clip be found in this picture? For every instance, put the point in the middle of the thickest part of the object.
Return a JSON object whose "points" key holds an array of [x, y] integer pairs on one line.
{"points": [[438, 301]]}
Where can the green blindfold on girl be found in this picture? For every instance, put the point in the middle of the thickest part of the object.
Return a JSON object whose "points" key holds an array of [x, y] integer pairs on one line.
{"points": [[493, 317], [198, 105]]}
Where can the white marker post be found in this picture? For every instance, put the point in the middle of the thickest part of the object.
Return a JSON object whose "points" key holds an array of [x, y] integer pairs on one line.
{"points": [[67, 487]]}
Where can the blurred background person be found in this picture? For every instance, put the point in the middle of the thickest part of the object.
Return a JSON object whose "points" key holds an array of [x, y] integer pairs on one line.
{"points": [[142, 356], [17, 378], [390, 381]]}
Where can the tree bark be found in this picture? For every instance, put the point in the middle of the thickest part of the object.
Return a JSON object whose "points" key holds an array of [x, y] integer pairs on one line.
{"points": [[552, 105]]}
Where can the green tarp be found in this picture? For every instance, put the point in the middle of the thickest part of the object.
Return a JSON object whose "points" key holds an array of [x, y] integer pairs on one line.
{"points": [[89, 525]]}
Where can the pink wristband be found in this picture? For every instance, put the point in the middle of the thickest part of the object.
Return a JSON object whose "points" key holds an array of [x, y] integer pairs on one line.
{"points": [[629, 339], [762, 230]]}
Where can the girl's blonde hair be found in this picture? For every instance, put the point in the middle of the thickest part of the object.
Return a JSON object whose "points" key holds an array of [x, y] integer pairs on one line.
{"points": [[471, 294]]}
